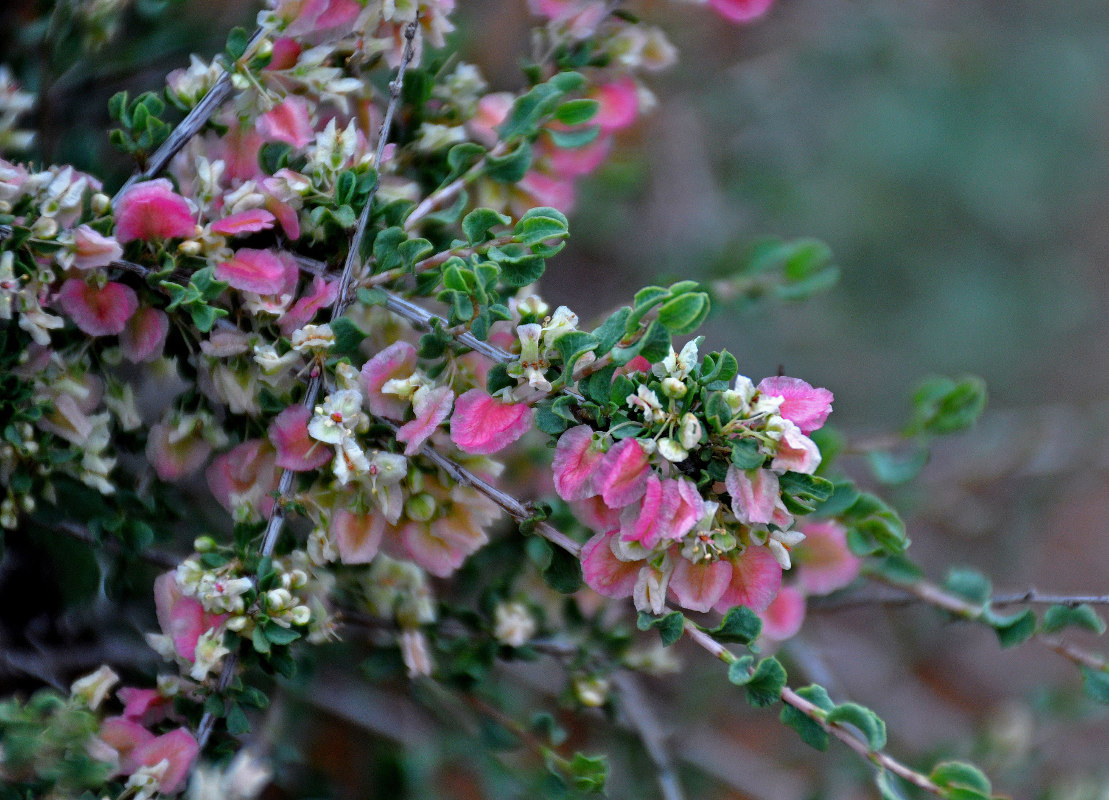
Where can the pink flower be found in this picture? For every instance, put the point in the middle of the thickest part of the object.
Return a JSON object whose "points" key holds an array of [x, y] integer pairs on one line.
{"points": [[783, 617], [756, 579], [286, 51], [296, 450], [741, 10], [802, 405], [317, 16], [125, 736], [622, 475], [357, 536], [482, 424], [754, 494], [541, 189], [239, 150], [575, 464], [258, 271], [647, 522], [287, 122], [395, 362], [619, 101], [321, 295], [98, 312], [152, 210], [94, 250], [575, 161], [699, 587], [492, 109], [441, 546], [252, 221], [179, 748], [182, 619], [147, 706], [432, 407], [144, 335], [173, 456], [796, 451], [603, 572], [244, 476], [824, 562], [594, 513]]}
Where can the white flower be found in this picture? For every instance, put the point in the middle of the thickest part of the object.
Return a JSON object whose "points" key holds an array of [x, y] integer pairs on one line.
{"points": [[781, 542], [690, 431], [338, 418], [209, 653], [94, 687], [671, 450], [647, 401], [349, 461], [513, 624], [313, 337]]}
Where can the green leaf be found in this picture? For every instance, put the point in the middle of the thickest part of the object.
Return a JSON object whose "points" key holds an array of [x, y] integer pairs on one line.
{"points": [[670, 626], [461, 157], [539, 225], [740, 624], [970, 584], [1082, 616], [279, 635], [887, 786], [869, 723], [808, 729], [894, 469], [764, 683], [572, 345], [573, 139], [237, 723], [386, 248], [1012, 629], [345, 186], [802, 493], [498, 378], [348, 336], [548, 421], [237, 41], [746, 455], [611, 330], [942, 405], [518, 268], [512, 166], [477, 224], [563, 574], [898, 569], [259, 640], [273, 156], [947, 774], [496, 736], [589, 773], [655, 344], [685, 313], [1095, 684], [719, 369], [577, 112]]}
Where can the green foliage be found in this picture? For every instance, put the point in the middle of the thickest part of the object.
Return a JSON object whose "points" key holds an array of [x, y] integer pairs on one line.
{"points": [[945, 405], [970, 584], [740, 624], [1058, 617], [197, 296], [670, 626], [141, 128], [763, 681], [869, 724], [811, 732]]}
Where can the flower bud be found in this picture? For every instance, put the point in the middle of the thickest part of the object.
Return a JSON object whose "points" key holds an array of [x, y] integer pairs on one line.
{"points": [[672, 387], [420, 507], [204, 544]]}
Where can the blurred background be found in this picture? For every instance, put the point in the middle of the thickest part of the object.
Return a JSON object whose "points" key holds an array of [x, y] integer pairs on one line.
{"points": [[955, 158]]}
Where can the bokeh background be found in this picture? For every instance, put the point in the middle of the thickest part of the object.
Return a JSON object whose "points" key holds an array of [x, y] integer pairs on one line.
{"points": [[955, 157]]}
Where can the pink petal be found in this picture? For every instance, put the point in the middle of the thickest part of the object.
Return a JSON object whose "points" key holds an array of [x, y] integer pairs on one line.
{"points": [[595, 514], [397, 361], [604, 573], [754, 494], [756, 578], [689, 506], [441, 547], [796, 452], [432, 408], [357, 536], [619, 104], [94, 250], [98, 312], [823, 561], [239, 150], [548, 190], [187, 624], [179, 748], [245, 474], [286, 217], [782, 619], [173, 461], [286, 51], [321, 295], [741, 10], [802, 405], [152, 210], [147, 706], [296, 450], [491, 112], [287, 122], [252, 221], [125, 736], [259, 271], [648, 522], [144, 336], [575, 161], [575, 464], [622, 476], [482, 424], [699, 587]]}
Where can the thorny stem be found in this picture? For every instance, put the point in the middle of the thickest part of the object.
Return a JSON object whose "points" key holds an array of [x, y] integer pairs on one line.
{"points": [[192, 123], [390, 275], [277, 516]]}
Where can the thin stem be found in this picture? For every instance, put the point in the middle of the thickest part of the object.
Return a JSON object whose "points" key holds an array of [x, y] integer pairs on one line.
{"points": [[192, 123], [445, 194], [638, 712]]}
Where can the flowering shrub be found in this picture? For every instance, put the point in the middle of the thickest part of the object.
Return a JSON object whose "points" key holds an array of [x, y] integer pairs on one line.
{"points": [[315, 302]]}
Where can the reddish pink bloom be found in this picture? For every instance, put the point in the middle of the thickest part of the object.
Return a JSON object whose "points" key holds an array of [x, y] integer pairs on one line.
{"points": [[317, 16], [146, 706], [741, 10], [357, 536], [594, 513], [287, 122], [432, 408], [244, 476], [482, 424], [182, 619], [575, 464], [175, 458], [622, 476], [619, 104], [239, 150], [756, 579], [152, 210], [286, 215], [252, 221], [575, 161], [94, 250], [98, 312], [647, 522], [144, 335], [179, 748], [796, 452], [395, 362], [296, 450], [548, 190], [259, 271], [125, 736], [321, 295], [603, 572], [286, 51], [441, 546], [823, 561], [637, 364], [492, 109], [754, 494], [783, 617], [699, 587], [802, 405]]}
